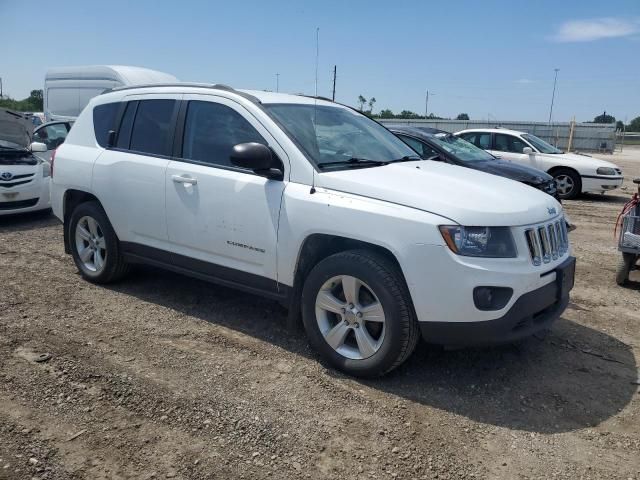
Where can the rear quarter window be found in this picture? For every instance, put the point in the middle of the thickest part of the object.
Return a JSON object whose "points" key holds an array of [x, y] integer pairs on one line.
{"points": [[104, 119]]}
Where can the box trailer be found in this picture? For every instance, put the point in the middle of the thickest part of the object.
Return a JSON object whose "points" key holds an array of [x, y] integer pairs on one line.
{"points": [[67, 90]]}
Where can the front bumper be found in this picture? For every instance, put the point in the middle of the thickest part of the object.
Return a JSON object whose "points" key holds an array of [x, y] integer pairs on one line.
{"points": [[600, 183], [28, 198], [531, 313]]}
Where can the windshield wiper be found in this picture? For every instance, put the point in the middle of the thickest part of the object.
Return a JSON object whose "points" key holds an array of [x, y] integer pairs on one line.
{"points": [[354, 162], [406, 158]]}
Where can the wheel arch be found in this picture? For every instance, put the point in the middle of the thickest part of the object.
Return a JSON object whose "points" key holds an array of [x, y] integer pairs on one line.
{"points": [[553, 170], [315, 248], [72, 198]]}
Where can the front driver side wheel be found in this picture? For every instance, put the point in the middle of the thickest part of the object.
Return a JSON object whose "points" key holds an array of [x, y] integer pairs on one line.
{"points": [[357, 313]]}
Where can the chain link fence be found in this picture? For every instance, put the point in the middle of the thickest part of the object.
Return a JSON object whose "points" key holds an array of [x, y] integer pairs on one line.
{"points": [[592, 137]]}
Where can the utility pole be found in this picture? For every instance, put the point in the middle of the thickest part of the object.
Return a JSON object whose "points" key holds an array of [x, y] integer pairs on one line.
{"points": [[553, 95], [333, 97], [1, 87], [277, 82], [426, 105]]}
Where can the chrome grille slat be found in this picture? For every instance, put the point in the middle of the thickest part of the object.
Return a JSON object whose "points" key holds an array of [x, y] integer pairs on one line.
{"points": [[547, 242]]}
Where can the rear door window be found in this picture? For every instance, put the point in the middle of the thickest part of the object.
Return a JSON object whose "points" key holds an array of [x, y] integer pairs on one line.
{"points": [[104, 119], [479, 139], [508, 143], [152, 131]]}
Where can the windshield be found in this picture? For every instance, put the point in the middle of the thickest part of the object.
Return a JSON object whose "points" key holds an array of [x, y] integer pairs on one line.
{"points": [[460, 148], [540, 144], [337, 135]]}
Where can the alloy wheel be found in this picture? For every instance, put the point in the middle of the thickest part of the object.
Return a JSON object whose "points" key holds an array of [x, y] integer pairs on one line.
{"points": [[565, 184], [350, 317], [90, 244]]}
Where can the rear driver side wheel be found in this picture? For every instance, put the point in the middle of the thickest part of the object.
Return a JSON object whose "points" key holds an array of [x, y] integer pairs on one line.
{"points": [[94, 244]]}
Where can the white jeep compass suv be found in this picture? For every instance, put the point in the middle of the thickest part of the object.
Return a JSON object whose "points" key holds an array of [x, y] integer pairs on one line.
{"points": [[315, 205]]}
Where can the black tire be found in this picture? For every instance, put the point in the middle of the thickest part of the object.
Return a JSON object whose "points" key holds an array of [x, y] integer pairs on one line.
{"points": [[625, 264], [114, 266], [384, 278], [575, 178]]}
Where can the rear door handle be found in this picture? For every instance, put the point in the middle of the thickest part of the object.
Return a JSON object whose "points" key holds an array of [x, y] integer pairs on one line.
{"points": [[184, 179]]}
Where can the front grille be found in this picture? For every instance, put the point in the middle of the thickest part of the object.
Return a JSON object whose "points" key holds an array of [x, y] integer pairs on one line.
{"points": [[547, 242], [17, 180], [18, 204]]}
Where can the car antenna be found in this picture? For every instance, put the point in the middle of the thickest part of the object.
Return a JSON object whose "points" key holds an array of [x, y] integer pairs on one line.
{"points": [[315, 106]]}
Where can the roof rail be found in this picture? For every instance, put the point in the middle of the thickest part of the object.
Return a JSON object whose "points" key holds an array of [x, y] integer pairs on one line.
{"points": [[215, 86], [317, 97]]}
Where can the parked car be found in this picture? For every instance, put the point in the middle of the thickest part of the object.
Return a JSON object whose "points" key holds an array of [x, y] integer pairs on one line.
{"points": [[67, 90], [52, 134], [24, 178], [574, 173], [311, 203], [434, 144]]}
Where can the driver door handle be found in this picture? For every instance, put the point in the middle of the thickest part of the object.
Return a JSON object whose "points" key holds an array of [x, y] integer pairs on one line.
{"points": [[184, 179]]}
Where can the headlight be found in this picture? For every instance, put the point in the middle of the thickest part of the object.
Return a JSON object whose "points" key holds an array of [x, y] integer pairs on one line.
{"points": [[606, 171], [492, 242], [46, 169]]}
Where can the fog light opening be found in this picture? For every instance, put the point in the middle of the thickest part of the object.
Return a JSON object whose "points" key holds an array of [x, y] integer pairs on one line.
{"points": [[491, 298]]}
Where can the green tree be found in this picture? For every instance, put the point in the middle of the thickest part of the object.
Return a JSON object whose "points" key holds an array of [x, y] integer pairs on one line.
{"points": [[33, 103], [36, 100], [386, 113], [604, 118], [462, 116], [372, 100], [408, 114], [361, 101], [634, 125], [620, 125]]}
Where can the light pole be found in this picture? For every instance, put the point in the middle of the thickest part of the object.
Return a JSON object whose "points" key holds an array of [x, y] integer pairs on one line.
{"points": [[277, 82], [426, 105], [553, 95]]}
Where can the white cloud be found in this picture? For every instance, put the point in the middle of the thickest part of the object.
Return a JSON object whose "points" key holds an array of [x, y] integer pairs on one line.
{"points": [[595, 29], [525, 81]]}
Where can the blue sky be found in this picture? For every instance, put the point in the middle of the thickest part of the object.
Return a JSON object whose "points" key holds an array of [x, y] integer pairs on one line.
{"points": [[490, 58]]}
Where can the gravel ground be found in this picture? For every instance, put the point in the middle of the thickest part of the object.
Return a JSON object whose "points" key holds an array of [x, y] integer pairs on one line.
{"points": [[162, 376]]}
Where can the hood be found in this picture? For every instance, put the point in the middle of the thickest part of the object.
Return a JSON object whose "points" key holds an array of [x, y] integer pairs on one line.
{"points": [[15, 128], [512, 171], [584, 161], [465, 196]]}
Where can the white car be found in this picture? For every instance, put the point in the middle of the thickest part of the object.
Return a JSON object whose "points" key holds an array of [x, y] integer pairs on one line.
{"points": [[574, 173], [24, 177], [311, 203]]}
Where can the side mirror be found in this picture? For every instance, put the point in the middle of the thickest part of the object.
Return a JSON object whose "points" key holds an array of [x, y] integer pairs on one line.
{"points": [[527, 151], [257, 157], [38, 147]]}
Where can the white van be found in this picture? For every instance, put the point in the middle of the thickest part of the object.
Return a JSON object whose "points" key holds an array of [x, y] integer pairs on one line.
{"points": [[67, 90]]}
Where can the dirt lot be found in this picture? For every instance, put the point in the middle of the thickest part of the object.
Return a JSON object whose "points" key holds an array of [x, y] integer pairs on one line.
{"points": [[162, 376]]}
